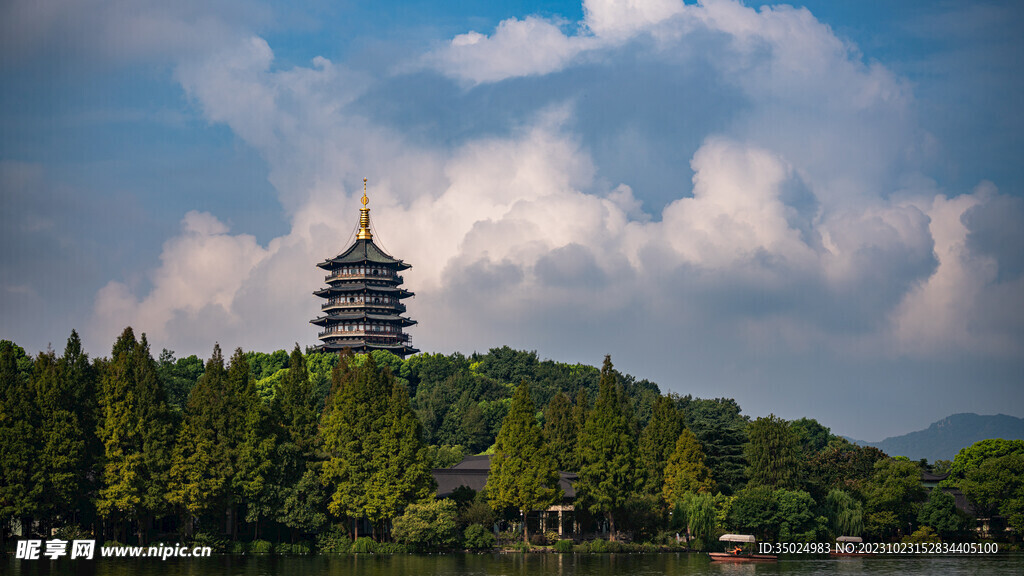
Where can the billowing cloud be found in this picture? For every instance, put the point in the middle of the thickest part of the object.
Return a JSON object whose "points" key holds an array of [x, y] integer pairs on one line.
{"points": [[805, 236]]}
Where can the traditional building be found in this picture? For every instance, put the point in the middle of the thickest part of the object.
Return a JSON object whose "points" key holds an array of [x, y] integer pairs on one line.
{"points": [[364, 298]]}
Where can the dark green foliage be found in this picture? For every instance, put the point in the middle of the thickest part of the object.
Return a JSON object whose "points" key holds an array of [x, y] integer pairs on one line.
{"points": [[658, 442], [61, 468], [377, 462], [262, 365], [564, 546], [610, 473], [940, 513], [523, 473], [19, 436], [477, 537], [973, 456], [773, 454], [445, 456], [813, 437], [137, 435], [996, 486], [179, 376], [842, 465], [428, 526], [754, 512], [721, 431], [560, 431], [893, 494], [301, 497]]}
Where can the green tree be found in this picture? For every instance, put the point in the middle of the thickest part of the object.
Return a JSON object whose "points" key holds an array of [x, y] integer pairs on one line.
{"points": [[580, 410], [376, 461], [685, 471], [136, 430], [812, 435], [610, 473], [60, 469], [19, 438], [560, 431], [940, 513], [755, 510], [523, 473], [973, 456], [201, 464], [773, 454], [429, 525], [401, 460], [721, 431], [996, 485], [658, 441], [179, 376], [302, 496], [893, 494], [797, 519], [697, 513], [845, 513], [842, 465]]}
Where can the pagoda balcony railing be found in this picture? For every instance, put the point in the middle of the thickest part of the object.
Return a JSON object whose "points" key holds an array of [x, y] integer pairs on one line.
{"points": [[388, 336], [363, 275], [396, 306]]}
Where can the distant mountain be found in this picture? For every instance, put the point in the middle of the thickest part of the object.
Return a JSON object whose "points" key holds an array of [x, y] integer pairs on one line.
{"points": [[943, 439]]}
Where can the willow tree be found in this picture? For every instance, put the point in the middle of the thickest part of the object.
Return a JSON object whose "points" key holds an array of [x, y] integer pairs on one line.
{"points": [[609, 474], [523, 472]]}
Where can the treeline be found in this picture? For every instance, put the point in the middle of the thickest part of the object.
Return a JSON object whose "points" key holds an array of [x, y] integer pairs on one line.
{"points": [[308, 447]]}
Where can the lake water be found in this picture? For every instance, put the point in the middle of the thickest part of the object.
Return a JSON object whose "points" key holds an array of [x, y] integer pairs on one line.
{"points": [[517, 565]]}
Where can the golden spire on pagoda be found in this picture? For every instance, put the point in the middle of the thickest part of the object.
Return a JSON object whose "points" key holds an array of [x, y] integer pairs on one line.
{"points": [[364, 218]]}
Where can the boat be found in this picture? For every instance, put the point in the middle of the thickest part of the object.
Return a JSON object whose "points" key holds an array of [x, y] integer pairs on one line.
{"points": [[741, 552], [848, 547]]}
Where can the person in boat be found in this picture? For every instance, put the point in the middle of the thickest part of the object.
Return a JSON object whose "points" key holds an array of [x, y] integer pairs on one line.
{"points": [[737, 551]]}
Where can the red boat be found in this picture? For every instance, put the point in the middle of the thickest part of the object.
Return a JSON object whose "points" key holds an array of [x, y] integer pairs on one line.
{"points": [[743, 552]]}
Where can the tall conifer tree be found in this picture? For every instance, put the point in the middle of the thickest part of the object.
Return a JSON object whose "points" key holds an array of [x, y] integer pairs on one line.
{"points": [[351, 432], [560, 431], [658, 441], [19, 438], [302, 496], [135, 429], [610, 473], [685, 470], [523, 472], [59, 471]]}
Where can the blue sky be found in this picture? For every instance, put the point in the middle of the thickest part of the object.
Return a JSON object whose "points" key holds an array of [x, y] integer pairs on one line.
{"points": [[814, 209]]}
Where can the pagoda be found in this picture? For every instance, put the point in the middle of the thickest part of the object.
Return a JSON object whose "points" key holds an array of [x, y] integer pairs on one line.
{"points": [[364, 298]]}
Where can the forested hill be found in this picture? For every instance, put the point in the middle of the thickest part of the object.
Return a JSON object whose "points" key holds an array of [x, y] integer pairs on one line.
{"points": [[943, 439], [461, 400]]}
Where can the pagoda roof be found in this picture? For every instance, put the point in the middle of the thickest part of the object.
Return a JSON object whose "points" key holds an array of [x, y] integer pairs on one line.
{"points": [[401, 348], [363, 251], [359, 286], [322, 321]]}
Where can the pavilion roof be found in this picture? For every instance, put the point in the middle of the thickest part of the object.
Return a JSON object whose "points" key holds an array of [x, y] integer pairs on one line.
{"points": [[363, 251]]}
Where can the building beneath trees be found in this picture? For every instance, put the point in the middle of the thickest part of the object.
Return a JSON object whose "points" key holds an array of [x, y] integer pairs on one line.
{"points": [[363, 308]]}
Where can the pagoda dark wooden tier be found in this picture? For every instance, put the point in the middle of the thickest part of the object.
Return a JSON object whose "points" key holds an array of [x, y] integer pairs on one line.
{"points": [[363, 308]]}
